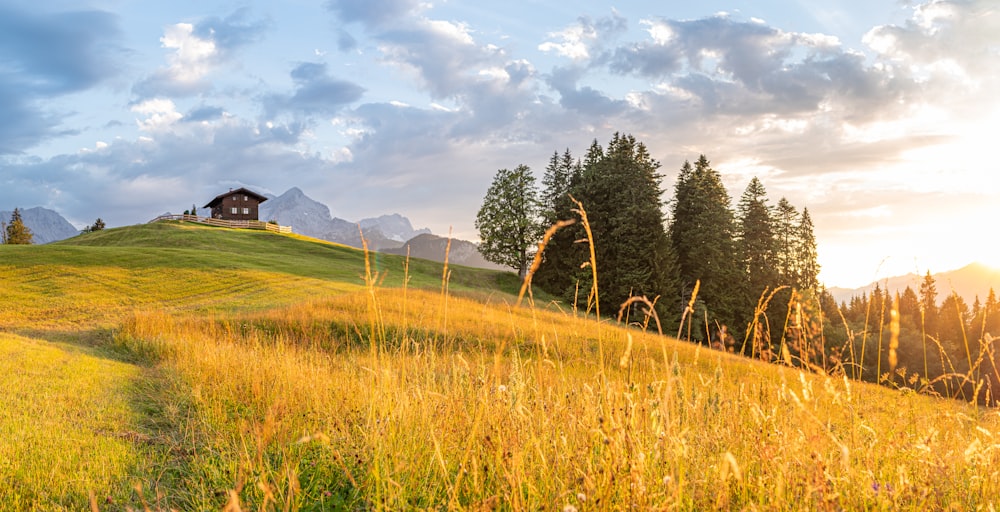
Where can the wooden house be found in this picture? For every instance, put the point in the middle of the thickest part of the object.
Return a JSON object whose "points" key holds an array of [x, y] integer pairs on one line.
{"points": [[239, 204]]}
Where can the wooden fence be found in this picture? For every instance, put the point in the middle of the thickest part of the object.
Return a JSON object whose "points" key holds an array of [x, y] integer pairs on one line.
{"points": [[236, 224]]}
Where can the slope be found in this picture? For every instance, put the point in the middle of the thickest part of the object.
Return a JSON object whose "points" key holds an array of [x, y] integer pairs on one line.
{"points": [[99, 277], [344, 395]]}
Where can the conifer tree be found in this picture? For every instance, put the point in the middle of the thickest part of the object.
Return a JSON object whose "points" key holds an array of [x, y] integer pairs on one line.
{"points": [[508, 219], [928, 303], [620, 190], [806, 256], [562, 257], [786, 223], [756, 242], [16, 232], [701, 233]]}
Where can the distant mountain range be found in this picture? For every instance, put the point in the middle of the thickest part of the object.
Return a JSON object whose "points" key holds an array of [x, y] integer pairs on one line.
{"points": [[969, 282], [386, 233], [312, 218], [433, 247], [45, 225]]}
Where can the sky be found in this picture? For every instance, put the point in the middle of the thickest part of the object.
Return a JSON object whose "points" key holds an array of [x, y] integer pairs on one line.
{"points": [[881, 117]]}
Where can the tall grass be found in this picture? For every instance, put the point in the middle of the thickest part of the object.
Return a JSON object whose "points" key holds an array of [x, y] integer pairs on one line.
{"points": [[370, 399]]}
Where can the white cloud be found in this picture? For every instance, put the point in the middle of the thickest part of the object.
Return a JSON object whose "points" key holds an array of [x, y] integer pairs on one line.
{"points": [[160, 114], [192, 56]]}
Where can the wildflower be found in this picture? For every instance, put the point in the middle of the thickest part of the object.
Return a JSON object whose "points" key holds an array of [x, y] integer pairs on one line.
{"points": [[667, 480], [569, 508], [501, 388], [581, 497]]}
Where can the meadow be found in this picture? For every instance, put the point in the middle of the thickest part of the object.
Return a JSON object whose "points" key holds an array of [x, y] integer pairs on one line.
{"points": [[174, 366]]}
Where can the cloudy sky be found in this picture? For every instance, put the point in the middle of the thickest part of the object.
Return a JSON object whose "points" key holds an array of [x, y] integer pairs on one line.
{"points": [[880, 116]]}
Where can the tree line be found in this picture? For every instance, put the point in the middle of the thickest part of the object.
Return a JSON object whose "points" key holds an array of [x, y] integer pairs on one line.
{"points": [[745, 277], [693, 250], [945, 348]]}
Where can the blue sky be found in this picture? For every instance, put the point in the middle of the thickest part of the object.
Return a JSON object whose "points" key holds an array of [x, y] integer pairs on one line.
{"points": [[879, 116]]}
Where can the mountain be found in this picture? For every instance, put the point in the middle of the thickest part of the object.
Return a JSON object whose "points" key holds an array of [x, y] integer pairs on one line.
{"points": [[312, 218], [432, 247], [969, 282], [45, 225], [395, 227]]}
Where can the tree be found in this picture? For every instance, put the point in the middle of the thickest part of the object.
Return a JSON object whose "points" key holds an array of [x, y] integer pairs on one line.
{"points": [[786, 224], [701, 234], [98, 225], [16, 232], [806, 255], [756, 242], [928, 304], [620, 190], [508, 222], [560, 267]]}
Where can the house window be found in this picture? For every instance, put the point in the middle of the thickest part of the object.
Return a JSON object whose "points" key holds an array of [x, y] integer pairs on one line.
{"points": [[233, 210], [245, 198], [246, 211], [235, 198]]}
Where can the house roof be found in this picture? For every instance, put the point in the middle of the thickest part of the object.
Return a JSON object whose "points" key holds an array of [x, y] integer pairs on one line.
{"points": [[218, 199]]}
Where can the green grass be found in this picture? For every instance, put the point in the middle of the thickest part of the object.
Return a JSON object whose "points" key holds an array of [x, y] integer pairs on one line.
{"points": [[213, 366], [69, 426]]}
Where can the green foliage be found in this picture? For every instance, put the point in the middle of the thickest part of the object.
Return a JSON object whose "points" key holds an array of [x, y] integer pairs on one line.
{"points": [[620, 189], [16, 233], [560, 269], [98, 225], [756, 242], [702, 236], [508, 220]]}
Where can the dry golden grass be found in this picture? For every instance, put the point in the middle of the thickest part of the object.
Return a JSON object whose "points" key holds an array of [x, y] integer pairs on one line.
{"points": [[509, 410], [365, 397]]}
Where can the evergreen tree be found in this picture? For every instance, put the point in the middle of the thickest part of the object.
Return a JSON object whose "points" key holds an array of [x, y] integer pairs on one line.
{"points": [[702, 236], [755, 239], [786, 230], [561, 261], [928, 303], [620, 190], [16, 232], [508, 219], [909, 307], [953, 328], [806, 255]]}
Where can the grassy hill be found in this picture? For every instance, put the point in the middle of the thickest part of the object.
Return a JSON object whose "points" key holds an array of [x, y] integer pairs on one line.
{"points": [[174, 366]]}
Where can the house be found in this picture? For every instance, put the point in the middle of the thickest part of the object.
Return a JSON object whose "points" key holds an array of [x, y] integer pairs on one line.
{"points": [[239, 204]]}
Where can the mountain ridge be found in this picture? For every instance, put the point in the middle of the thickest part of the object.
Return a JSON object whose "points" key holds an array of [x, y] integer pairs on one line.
{"points": [[971, 281]]}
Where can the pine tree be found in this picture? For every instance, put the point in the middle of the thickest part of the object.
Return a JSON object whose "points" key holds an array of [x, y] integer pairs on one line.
{"points": [[756, 242], [806, 255], [561, 261], [928, 304], [786, 223], [620, 190], [508, 219], [701, 233], [16, 232]]}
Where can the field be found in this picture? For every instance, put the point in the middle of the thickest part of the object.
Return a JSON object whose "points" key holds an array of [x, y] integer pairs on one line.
{"points": [[173, 366]]}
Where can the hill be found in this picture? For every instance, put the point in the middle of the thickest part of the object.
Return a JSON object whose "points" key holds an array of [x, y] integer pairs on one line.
{"points": [[177, 366], [98, 277], [971, 281]]}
